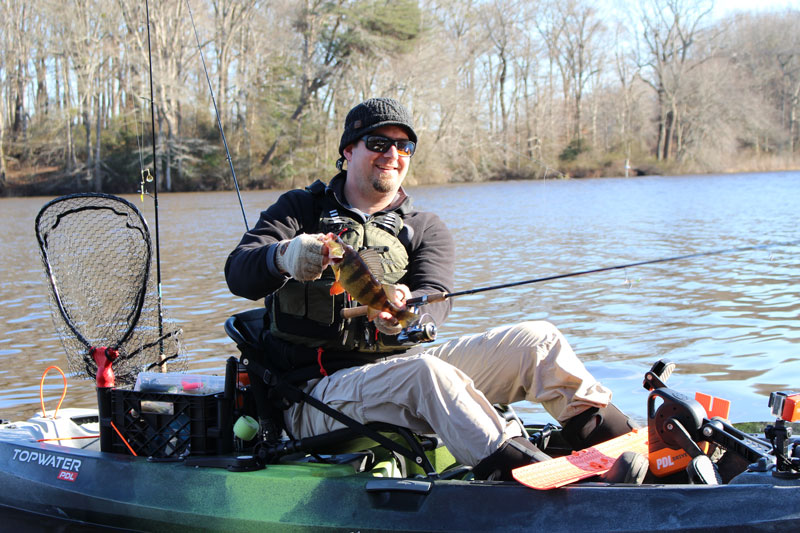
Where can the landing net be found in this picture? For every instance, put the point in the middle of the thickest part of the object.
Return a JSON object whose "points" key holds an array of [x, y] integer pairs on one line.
{"points": [[97, 255]]}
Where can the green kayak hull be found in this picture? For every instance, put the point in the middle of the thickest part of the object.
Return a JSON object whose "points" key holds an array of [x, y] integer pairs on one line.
{"points": [[123, 491]]}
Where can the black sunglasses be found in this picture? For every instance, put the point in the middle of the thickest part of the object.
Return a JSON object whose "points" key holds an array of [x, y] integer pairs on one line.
{"points": [[380, 144]]}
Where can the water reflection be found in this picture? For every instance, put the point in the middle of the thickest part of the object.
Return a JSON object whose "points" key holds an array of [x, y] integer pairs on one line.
{"points": [[730, 321]]}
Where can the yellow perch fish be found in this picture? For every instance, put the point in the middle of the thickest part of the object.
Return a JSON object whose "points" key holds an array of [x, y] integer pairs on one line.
{"points": [[354, 276]]}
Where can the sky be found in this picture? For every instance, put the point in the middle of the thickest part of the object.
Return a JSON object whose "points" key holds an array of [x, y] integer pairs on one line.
{"points": [[722, 8], [725, 7]]}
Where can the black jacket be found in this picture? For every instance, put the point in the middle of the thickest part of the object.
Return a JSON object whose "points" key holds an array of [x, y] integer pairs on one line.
{"points": [[428, 241]]}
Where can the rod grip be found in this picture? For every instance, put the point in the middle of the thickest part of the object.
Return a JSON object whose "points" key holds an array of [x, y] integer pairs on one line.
{"points": [[353, 312], [361, 310]]}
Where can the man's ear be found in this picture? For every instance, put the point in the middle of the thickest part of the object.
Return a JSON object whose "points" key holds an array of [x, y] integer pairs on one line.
{"points": [[348, 152]]}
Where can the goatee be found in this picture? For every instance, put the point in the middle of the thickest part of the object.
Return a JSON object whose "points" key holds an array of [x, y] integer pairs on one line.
{"points": [[382, 185]]}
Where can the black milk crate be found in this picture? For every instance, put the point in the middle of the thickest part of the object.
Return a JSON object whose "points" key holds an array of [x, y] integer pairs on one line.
{"points": [[165, 425]]}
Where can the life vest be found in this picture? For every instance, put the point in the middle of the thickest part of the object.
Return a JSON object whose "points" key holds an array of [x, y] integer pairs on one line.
{"points": [[305, 313]]}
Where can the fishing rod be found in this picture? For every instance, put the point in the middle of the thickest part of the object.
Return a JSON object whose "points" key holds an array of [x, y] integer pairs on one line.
{"points": [[219, 121], [154, 177], [353, 312], [155, 185]]}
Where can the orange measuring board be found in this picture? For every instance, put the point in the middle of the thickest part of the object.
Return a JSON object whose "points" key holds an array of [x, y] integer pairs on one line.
{"points": [[581, 464]]}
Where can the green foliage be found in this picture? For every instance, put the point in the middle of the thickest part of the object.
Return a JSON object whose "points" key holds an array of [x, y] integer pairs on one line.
{"points": [[575, 148], [121, 160], [371, 28], [396, 24]]}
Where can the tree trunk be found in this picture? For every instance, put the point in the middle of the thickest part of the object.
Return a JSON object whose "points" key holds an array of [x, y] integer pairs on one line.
{"points": [[662, 128], [793, 129], [168, 158], [41, 88], [2, 151], [70, 157], [677, 128], [18, 129], [87, 125], [179, 129], [167, 185], [503, 110], [669, 131], [98, 180], [270, 152]]}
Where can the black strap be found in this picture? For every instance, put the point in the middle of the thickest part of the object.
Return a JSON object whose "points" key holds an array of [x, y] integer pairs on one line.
{"points": [[296, 394]]}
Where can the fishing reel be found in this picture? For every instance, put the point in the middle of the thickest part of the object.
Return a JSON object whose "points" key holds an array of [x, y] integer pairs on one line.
{"points": [[423, 330]]}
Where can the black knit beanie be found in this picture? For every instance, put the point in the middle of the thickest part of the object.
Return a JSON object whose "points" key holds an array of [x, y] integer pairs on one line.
{"points": [[373, 114]]}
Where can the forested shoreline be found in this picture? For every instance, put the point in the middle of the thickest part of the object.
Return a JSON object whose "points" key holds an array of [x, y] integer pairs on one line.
{"points": [[498, 89]]}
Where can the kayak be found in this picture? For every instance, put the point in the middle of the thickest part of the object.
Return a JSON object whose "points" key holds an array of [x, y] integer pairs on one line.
{"points": [[177, 452], [74, 480]]}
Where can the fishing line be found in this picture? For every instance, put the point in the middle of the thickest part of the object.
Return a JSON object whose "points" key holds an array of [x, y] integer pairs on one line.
{"points": [[139, 139], [145, 175], [440, 296], [423, 299], [138, 122], [219, 121], [548, 170]]}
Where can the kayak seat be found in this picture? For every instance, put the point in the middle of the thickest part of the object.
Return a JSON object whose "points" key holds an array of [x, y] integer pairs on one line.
{"points": [[273, 390]]}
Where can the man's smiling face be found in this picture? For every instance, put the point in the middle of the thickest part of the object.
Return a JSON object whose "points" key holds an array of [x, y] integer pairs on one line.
{"points": [[383, 173]]}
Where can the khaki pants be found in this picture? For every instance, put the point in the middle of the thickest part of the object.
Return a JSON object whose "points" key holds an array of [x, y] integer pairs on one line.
{"points": [[449, 389]]}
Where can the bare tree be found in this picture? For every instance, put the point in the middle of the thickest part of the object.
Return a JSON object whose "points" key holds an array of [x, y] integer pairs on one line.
{"points": [[573, 33], [17, 55], [5, 47], [765, 50], [502, 23], [230, 16], [507, 85], [87, 34], [670, 29]]}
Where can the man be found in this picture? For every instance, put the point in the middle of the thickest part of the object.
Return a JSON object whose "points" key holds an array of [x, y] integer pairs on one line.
{"points": [[359, 366]]}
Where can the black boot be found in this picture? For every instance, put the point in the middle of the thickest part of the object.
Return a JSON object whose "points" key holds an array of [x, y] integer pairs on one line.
{"points": [[630, 467], [513, 453], [596, 425]]}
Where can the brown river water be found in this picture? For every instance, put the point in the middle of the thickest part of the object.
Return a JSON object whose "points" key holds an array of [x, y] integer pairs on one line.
{"points": [[731, 321]]}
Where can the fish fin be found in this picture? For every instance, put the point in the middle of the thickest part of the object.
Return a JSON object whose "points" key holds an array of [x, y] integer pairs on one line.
{"points": [[390, 290], [374, 263], [398, 273], [336, 288]]}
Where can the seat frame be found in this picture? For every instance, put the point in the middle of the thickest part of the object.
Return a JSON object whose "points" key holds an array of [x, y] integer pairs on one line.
{"points": [[273, 393]]}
